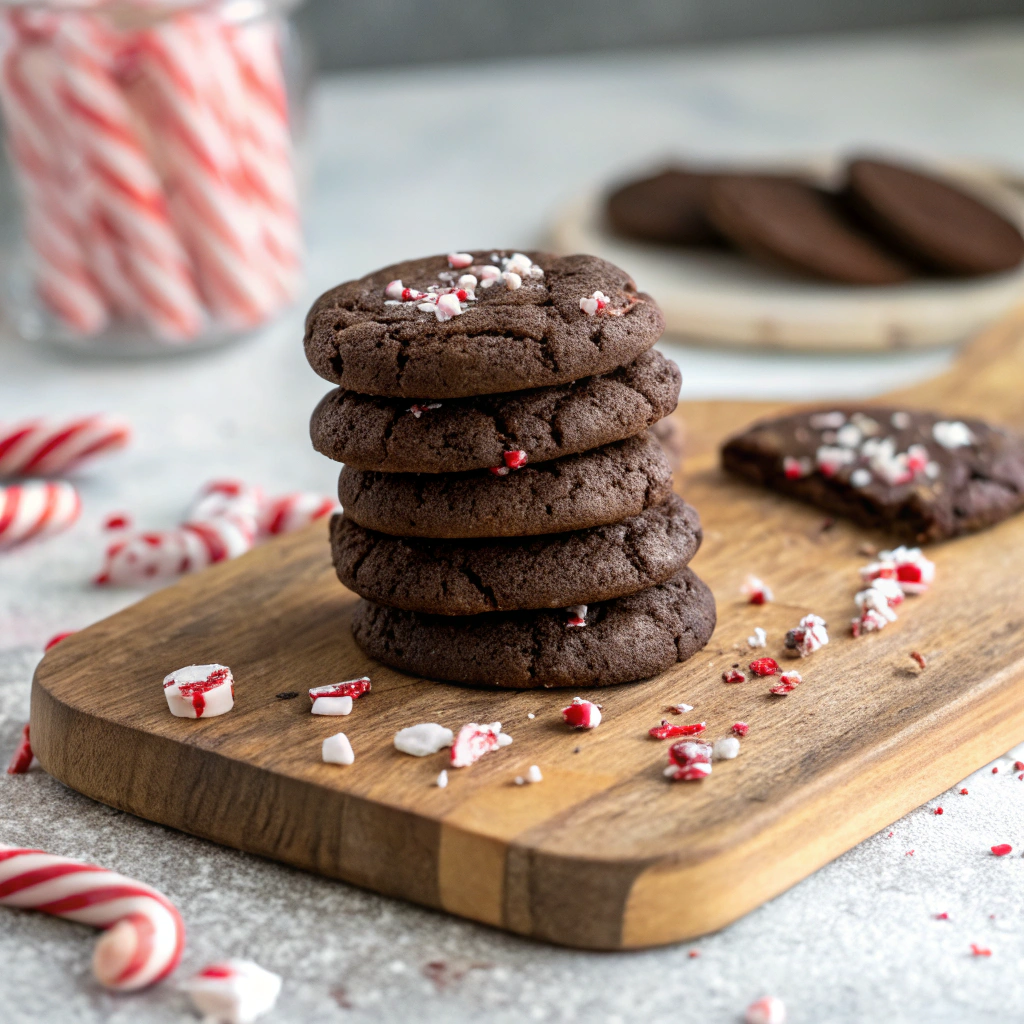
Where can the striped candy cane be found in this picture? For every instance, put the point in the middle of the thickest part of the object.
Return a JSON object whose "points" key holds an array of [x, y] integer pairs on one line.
{"points": [[144, 934], [36, 509], [47, 447], [293, 512]]}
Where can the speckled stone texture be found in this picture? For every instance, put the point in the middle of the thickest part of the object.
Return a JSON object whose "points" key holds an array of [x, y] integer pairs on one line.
{"points": [[630, 638], [367, 432], [466, 577], [575, 493], [504, 341]]}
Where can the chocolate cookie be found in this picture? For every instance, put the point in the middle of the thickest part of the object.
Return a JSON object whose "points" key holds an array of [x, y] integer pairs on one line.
{"points": [[467, 577], [460, 434], [630, 638], [788, 222], [932, 220], [573, 493], [478, 324], [668, 208], [916, 475]]}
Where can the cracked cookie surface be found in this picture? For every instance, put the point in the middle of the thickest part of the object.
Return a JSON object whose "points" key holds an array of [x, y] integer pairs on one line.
{"points": [[624, 640], [503, 340], [454, 436], [573, 493], [467, 577]]}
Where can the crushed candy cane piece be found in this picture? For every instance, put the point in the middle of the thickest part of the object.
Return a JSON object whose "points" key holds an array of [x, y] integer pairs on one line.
{"points": [[977, 950], [922, 661], [759, 639], [860, 477], [442, 779], [938, 810], [809, 636], [459, 260], [907, 566], [691, 773], [849, 436], [533, 775], [513, 282], [447, 306], [726, 748], [337, 749], [515, 459], [332, 706], [353, 688], [394, 290], [768, 1010], [1002, 849], [595, 304], [582, 714], [200, 691], [875, 599], [577, 616], [796, 469], [423, 739], [56, 639], [830, 459], [827, 420], [687, 752], [21, 760], [741, 729], [756, 590], [788, 682], [473, 741], [419, 410], [667, 730], [869, 622], [733, 675], [952, 434], [764, 666], [233, 992], [680, 709]]}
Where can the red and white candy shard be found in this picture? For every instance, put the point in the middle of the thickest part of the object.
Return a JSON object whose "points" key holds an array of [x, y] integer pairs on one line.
{"points": [[22, 758], [577, 616], [337, 749], [689, 761], [769, 1010], [473, 741], [582, 714], [808, 637], [877, 599], [868, 622], [226, 498], [594, 304], [787, 683], [907, 566], [36, 509], [200, 691], [144, 934], [796, 469], [756, 590], [233, 992], [459, 260], [353, 688], [419, 410], [423, 739], [830, 460], [47, 447], [292, 512]]}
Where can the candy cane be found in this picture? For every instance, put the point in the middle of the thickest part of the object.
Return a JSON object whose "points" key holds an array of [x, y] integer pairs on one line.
{"points": [[144, 933], [47, 447], [128, 191], [293, 512], [36, 509]]}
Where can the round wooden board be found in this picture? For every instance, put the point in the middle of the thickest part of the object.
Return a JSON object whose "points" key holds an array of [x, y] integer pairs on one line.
{"points": [[723, 298]]}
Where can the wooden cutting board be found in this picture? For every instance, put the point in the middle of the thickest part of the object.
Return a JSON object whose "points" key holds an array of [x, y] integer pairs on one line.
{"points": [[604, 853]]}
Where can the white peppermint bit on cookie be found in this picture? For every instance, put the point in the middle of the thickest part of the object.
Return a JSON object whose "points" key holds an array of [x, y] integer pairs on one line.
{"points": [[952, 434]]}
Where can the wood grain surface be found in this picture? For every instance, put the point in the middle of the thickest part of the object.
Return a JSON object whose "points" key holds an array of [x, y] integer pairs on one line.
{"points": [[604, 853]]}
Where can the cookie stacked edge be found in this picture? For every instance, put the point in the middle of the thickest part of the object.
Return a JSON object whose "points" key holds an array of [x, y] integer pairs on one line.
{"points": [[493, 416]]}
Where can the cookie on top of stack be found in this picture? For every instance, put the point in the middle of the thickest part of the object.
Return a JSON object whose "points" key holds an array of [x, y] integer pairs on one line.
{"points": [[509, 519]]}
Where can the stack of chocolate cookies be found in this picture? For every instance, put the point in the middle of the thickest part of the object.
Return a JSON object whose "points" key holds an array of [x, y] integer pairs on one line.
{"points": [[509, 519]]}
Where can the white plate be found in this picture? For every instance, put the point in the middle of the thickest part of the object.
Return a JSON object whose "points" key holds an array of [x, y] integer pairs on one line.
{"points": [[721, 297]]}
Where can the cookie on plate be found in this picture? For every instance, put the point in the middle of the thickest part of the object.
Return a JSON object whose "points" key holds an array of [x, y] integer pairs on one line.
{"points": [[793, 224], [572, 493], [624, 640], [468, 577], [456, 435], [932, 220], [668, 207], [479, 323], [916, 475]]}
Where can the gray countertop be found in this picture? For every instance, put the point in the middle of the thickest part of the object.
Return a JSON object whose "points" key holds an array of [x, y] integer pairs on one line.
{"points": [[445, 158]]}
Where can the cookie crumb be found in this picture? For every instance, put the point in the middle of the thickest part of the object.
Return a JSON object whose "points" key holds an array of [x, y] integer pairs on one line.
{"points": [[287, 695]]}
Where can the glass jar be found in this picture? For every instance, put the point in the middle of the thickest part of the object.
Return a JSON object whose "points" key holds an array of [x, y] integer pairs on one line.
{"points": [[152, 148]]}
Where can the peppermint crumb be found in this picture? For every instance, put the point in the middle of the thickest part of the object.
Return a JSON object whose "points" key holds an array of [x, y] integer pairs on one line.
{"points": [[693, 954], [942, 917], [534, 774], [890, 835], [995, 771], [909, 853], [977, 950], [287, 695], [963, 792], [938, 810], [530, 715], [1018, 766], [1002, 849], [919, 658], [442, 780]]}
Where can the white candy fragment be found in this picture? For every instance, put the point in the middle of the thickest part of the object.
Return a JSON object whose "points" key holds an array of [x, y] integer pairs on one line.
{"points": [[900, 420], [769, 1010], [594, 304], [534, 774], [336, 749], [447, 307], [849, 436], [394, 290], [726, 748], [681, 709], [759, 639], [809, 636], [513, 281], [332, 706], [504, 739], [442, 779], [952, 434], [468, 281], [459, 260], [423, 739], [907, 566], [860, 477], [200, 691], [233, 992], [827, 420], [582, 714]]}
